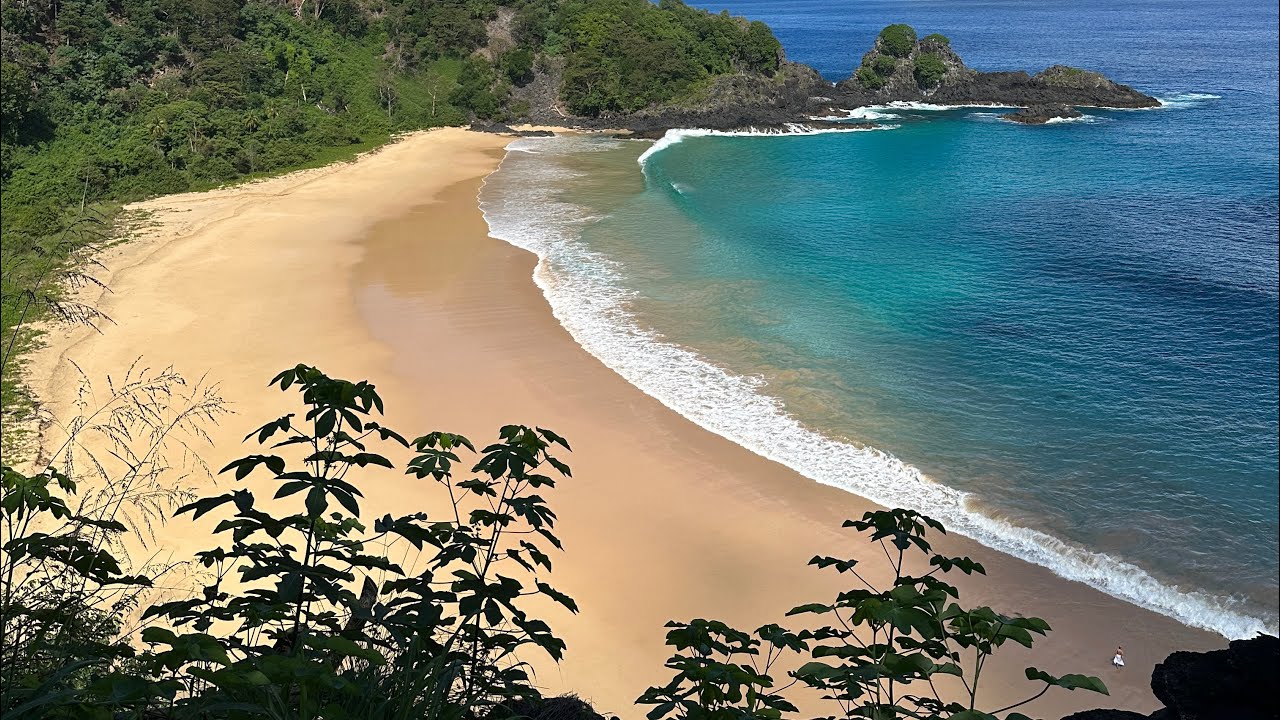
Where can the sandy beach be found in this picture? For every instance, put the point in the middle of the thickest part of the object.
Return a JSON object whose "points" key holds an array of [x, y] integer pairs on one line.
{"points": [[383, 269]]}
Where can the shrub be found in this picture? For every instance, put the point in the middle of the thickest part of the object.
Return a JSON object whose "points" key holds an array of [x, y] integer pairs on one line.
{"points": [[898, 40], [869, 78], [929, 70], [517, 65], [331, 614], [877, 653], [884, 65], [937, 38]]}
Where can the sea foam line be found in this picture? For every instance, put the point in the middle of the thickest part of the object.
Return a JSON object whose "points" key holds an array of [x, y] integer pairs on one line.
{"points": [[586, 294], [789, 130]]}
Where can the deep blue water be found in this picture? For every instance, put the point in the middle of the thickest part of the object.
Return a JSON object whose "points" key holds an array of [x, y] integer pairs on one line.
{"points": [[1074, 326]]}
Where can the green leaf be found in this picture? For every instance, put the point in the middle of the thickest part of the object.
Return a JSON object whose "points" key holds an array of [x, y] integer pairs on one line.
{"points": [[558, 596], [317, 502], [1070, 682]]}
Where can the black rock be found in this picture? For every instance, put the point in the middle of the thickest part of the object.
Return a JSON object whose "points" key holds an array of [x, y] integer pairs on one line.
{"points": [[564, 707], [1041, 114], [1238, 683], [497, 128]]}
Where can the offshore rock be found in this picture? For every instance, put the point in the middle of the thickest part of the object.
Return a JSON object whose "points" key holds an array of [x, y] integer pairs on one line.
{"points": [[1041, 114], [934, 73]]}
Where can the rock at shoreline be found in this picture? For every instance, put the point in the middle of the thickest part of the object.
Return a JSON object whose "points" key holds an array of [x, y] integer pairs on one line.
{"points": [[1237, 683], [500, 129], [1041, 114]]}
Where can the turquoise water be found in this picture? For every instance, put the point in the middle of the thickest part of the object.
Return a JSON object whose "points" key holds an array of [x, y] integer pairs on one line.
{"points": [[1060, 340]]}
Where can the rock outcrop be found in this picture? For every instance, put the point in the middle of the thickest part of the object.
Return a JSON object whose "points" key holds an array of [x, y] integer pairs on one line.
{"points": [[898, 68], [1238, 683], [932, 72], [1041, 114], [734, 102]]}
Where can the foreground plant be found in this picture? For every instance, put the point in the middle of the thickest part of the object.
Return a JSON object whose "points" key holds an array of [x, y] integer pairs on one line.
{"points": [[882, 652], [310, 610], [68, 585], [308, 616]]}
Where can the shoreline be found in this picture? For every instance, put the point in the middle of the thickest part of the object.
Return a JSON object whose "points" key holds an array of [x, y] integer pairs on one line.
{"points": [[663, 518]]}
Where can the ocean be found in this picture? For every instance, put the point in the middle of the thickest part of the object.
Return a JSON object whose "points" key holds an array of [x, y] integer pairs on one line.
{"points": [[1059, 340]]}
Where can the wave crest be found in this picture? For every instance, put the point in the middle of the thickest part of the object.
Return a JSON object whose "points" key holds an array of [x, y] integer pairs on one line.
{"points": [[789, 130]]}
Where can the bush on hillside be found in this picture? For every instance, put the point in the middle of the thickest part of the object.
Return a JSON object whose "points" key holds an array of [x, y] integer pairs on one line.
{"points": [[937, 38], [898, 40], [929, 70], [884, 65], [869, 78], [517, 66]]}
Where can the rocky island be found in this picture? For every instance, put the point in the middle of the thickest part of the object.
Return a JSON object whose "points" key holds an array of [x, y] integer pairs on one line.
{"points": [[900, 67]]}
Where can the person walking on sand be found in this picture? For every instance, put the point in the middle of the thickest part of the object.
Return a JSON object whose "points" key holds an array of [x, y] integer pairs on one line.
{"points": [[1118, 660]]}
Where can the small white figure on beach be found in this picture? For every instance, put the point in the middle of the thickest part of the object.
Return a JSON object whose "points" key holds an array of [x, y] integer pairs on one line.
{"points": [[1118, 660]]}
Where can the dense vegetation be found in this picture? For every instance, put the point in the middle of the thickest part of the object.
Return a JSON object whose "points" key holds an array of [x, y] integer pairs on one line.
{"points": [[107, 101], [898, 40], [929, 70], [623, 56]]}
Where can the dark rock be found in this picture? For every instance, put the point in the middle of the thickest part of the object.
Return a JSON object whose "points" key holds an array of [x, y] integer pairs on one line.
{"points": [[497, 128], [1041, 114], [1106, 715], [736, 102], [535, 133], [1238, 683], [565, 707], [960, 85]]}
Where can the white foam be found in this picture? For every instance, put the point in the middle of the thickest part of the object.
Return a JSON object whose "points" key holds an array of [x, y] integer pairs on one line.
{"points": [[870, 114], [789, 130], [929, 107], [587, 296], [1187, 100], [1177, 101], [1081, 119]]}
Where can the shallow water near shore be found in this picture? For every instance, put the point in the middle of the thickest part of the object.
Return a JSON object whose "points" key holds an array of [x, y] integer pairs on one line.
{"points": [[1060, 340]]}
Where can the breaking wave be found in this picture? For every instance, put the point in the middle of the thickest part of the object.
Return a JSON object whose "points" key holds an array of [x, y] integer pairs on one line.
{"points": [[790, 130]]}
